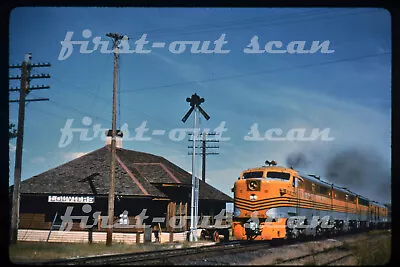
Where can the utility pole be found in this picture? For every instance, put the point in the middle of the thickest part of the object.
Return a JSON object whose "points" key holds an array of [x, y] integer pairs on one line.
{"points": [[203, 166], [204, 152], [23, 91], [195, 102], [116, 40]]}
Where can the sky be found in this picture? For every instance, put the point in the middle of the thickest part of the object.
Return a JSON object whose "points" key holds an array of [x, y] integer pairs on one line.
{"points": [[347, 92]]}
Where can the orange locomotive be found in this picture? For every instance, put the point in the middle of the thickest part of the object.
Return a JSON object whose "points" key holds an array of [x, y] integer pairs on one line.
{"points": [[274, 202]]}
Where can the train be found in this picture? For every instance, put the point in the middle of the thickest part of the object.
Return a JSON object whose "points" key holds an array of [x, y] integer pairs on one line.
{"points": [[274, 202]]}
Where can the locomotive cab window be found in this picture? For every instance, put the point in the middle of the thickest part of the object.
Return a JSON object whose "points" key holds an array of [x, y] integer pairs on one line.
{"points": [[278, 175], [248, 175], [300, 183]]}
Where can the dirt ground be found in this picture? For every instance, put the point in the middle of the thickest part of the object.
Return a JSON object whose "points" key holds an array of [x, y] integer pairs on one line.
{"points": [[35, 252], [354, 244], [371, 248]]}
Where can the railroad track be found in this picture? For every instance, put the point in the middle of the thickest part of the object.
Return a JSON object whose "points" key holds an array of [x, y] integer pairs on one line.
{"points": [[341, 250], [311, 257], [160, 256], [338, 259], [170, 256]]}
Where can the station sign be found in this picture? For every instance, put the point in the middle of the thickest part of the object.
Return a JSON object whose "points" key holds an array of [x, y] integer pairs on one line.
{"points": [[71, 199]]}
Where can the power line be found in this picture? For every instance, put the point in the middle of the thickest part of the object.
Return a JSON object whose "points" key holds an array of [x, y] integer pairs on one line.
{"points": [[71, 146], [85, 91], [48, 113], [85, 113], [256, 73], [245, 25], [214, 26], [74, 145]]}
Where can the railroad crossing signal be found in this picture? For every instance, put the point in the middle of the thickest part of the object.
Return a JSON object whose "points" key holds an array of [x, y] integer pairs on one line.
{"points": [[195, 102]]}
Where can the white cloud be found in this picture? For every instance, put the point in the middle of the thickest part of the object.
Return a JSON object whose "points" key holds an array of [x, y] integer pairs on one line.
{"points": [[12, 148], [73, 155], [38, 160], [351, 124], [188, 71], [224, 179]]}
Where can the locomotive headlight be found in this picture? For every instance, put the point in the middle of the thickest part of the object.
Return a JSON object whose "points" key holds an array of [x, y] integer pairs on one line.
{"points": [[236, 212], [252, 225], [253, 185], [270, 213], [253, 197]]}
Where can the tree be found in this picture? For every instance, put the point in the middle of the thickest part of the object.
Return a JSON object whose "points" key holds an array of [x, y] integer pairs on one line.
{"points": [[12, 132]]}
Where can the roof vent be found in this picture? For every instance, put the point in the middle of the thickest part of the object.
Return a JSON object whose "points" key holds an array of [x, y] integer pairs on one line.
{"points": [[315, 176]]}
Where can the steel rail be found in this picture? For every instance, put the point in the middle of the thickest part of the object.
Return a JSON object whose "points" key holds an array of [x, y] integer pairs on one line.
{"points": [[165, 255], [339, 247], [157, 255]]}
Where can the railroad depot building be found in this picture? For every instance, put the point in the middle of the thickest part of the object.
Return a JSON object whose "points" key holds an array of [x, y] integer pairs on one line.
{"points": [[142, 181]]}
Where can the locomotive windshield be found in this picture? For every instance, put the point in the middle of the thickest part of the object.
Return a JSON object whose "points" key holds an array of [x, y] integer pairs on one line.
{"points": [[248, 175], [278, 175]]}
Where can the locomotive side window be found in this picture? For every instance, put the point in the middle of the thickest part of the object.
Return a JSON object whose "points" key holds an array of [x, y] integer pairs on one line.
{"points": [[316, 188], [323, 190], [352, 199], [308, 186], [278, 175], [363, 202], [341, 196], [248, 175]]}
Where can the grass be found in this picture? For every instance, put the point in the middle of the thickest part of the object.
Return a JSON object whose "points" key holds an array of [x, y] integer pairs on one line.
{"points": [[378, 232], [311, 247], [373, 252], [41, 251], [277, 260], [310, 262]]}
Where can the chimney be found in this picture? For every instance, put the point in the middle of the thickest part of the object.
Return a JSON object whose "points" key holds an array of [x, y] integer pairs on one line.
{"points": [[28, 57], [118, 139]]}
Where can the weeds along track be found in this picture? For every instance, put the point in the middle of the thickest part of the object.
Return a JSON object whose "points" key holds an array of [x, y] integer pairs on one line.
{"points": [[161, 256], [173, 256], [327, 256]]}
